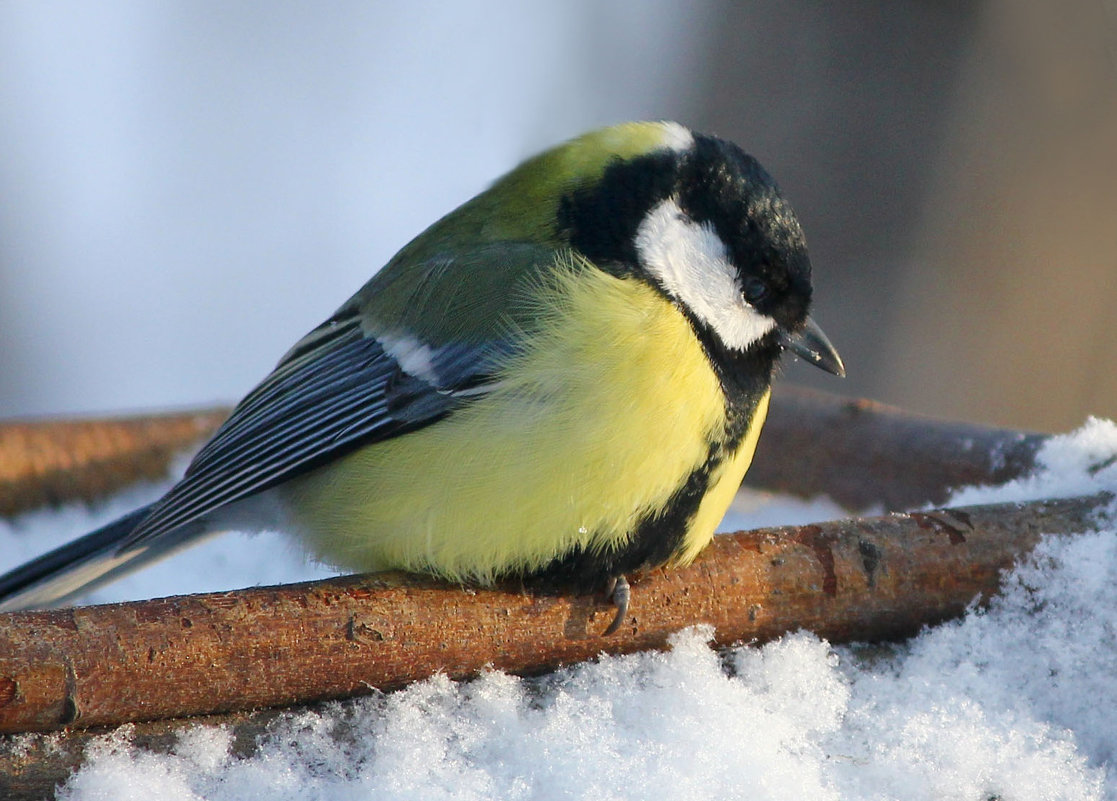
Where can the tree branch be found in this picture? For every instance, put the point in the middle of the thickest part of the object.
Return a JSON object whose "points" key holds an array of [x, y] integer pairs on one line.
{"points": [[862, 453], [47, 462], [858, 452], [860, 579]]}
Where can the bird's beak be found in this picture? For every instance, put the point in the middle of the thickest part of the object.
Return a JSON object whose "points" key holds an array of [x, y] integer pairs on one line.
{"points": [[811, 345]]}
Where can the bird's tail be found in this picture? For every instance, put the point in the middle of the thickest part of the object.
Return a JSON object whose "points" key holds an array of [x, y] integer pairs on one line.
{"points": [[88, 562]]}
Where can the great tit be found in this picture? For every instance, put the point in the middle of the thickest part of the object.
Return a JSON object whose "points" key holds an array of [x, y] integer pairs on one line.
{"points": [[562, 381]]}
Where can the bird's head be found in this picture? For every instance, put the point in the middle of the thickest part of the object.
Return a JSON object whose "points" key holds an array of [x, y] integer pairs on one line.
{"points": [[703, 222], [693, 215]]}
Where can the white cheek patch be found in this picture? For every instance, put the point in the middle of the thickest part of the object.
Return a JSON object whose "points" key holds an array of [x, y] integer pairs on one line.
{"points": [[691, 263]]}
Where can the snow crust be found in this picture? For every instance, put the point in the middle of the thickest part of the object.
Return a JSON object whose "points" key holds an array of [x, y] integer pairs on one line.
{"points": [[1017, 700]]}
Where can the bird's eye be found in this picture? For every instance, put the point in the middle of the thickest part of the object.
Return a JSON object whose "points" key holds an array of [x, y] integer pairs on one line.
{"points": [[755, 290]]}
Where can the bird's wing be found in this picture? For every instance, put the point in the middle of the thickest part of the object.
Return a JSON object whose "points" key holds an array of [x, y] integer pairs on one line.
{"points": [[358, 379]]}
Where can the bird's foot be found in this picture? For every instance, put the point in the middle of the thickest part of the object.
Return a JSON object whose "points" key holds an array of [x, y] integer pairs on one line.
{"points": [[619, 592]]}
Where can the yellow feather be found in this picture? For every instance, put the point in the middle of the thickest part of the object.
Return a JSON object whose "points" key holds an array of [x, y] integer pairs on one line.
{"points": [[608, 408]]}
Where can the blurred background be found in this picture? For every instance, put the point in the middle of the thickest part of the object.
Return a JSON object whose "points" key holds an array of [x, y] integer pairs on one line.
{"points": [[186, 188]]}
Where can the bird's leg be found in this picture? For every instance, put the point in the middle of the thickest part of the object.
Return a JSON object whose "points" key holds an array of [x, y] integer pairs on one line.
{"points": [[618, 590]]}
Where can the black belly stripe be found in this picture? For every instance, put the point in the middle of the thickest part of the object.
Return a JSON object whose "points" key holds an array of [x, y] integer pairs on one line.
{"points": [[657, 536], [654, 539], [745, 378]]}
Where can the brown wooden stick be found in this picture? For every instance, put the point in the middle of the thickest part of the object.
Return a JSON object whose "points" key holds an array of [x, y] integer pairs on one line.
{"points": [[859, 452], [862, 453], [48, 462], [861, 579]]}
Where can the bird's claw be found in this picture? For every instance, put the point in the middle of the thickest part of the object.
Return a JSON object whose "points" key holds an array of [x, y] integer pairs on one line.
{"points": [[619, 592]]}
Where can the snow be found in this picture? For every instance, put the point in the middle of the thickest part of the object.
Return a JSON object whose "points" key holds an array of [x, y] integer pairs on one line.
{"points": [[1082, 462], [1017, 700]]}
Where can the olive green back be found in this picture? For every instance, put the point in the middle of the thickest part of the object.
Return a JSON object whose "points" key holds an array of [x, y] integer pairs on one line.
{"points": [[459, 279]]}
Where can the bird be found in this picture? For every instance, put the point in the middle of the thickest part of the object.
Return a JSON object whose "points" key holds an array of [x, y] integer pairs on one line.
{"points": [[560, 382]]}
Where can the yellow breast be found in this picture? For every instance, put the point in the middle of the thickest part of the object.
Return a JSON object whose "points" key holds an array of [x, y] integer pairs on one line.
{"points": [[596, 422]]}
